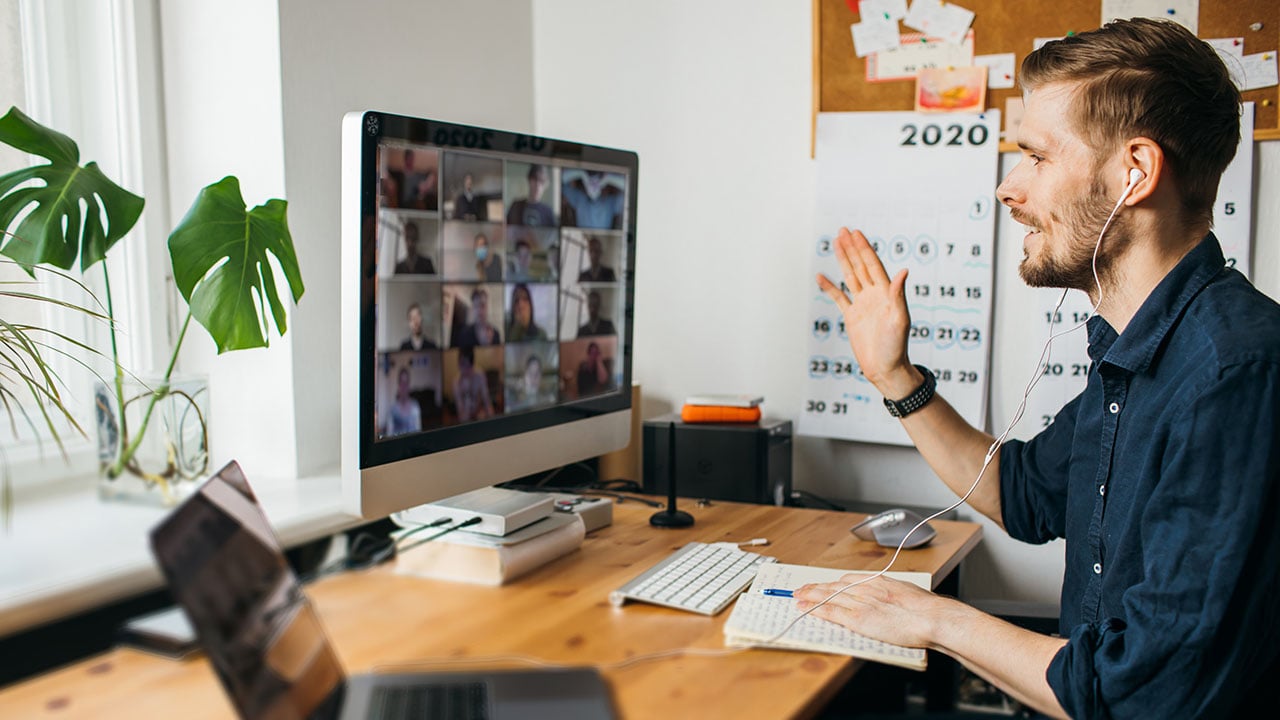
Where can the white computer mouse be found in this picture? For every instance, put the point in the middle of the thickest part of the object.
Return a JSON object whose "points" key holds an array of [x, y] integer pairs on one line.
{"points": [[891, 526]]}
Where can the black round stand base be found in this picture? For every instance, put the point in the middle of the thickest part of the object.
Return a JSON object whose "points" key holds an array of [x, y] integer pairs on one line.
{"points": [[671, 519]]}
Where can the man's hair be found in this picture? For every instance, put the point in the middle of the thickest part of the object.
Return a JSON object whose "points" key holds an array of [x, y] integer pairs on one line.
{"points": [[1154, 79]]}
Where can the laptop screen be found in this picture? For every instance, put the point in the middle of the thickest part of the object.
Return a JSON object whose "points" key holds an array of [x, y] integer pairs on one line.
{"points": [[225, 568]]}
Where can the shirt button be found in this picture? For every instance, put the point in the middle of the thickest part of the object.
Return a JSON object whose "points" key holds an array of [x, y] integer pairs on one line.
{"points": [[1114, 408], [1097, 568], [1102, 490]]}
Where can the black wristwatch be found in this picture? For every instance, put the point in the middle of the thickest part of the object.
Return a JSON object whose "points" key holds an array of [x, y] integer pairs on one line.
{"points": [[916, 400]]}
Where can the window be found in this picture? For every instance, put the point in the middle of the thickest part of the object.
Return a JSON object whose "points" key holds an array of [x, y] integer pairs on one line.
{"points": [[97, 50]]}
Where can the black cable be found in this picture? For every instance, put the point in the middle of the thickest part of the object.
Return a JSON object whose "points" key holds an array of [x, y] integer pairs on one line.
{"points": [[375, 555], [621, 497], [465, 523]]}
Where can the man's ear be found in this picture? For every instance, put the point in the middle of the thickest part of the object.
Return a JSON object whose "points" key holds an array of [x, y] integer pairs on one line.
{"points": [[1145, 155]]}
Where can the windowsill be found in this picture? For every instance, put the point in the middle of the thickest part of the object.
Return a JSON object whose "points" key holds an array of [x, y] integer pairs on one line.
{"points": [[67, 551]]}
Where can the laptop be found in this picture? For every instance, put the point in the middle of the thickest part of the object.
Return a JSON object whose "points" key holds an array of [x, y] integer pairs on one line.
{"points": [[264, 639]]}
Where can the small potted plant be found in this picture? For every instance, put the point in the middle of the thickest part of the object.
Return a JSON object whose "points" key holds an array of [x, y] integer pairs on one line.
{"points": [[224, 257]]}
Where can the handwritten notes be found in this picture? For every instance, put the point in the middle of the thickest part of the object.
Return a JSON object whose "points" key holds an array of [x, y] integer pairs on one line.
{"points": [[758, 620]]}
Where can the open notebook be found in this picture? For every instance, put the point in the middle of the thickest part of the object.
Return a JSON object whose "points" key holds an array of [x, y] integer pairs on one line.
{"points": [[757, 618]]}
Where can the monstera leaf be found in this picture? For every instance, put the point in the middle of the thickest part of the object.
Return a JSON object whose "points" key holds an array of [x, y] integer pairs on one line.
{"points": [[58, 229], [221, 263]]}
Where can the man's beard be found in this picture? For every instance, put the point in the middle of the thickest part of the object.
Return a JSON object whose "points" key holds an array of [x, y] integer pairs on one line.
{"points": [[1076, 233]]}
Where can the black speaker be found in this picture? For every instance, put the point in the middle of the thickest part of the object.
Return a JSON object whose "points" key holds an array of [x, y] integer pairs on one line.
{"points": [[720, 461]]}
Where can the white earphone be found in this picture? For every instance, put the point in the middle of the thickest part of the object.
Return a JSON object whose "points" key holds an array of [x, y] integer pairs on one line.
{"points": [[1135, 175]]}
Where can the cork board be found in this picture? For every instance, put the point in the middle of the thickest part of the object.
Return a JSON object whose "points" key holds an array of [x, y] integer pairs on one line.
{"points": [[1001, 26]]}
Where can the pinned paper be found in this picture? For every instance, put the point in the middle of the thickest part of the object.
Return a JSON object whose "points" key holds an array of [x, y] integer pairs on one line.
{"points": [[1038, 43], [1259, 70], [883, 9], [1184, 12], [939, 19], [1228, 46], [1013, 110], [874, 36], [957, 89], [1231, 50], [915, 53], [1000, 70]]}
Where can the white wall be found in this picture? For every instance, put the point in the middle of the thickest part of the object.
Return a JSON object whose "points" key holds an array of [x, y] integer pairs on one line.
{"points": [[222, 116], [467, 62], [715, 97]]}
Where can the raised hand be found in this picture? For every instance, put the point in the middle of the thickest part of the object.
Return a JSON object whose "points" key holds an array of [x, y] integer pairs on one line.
{"points": [[875, 314]]}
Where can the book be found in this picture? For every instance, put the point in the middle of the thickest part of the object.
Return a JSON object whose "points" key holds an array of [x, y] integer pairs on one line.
{"points": [[719, 414], [757, 619], [488, 560]]}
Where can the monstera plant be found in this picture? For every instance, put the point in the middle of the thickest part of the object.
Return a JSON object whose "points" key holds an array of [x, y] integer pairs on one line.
{"points": [[224, 255]]}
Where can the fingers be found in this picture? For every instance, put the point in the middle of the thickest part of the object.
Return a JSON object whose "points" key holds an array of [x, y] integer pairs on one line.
{"points": [[849, 260], [835, 293]]}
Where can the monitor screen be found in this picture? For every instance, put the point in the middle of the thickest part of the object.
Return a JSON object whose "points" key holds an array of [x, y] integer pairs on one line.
{"points": [[492, 297]]}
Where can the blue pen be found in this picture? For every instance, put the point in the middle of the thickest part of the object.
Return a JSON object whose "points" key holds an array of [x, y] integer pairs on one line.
{"points": [[778, 592]]}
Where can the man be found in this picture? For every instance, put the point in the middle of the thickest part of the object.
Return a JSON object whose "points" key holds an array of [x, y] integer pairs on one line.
{"points": [[1164, 474], [595, 325], [471, 397], [417, 186], [593, 200], [417, 339], [468, 205], [479, 331], [414, 263], [521, 261], [593, 373], [596, 272], [531, 210], [488, 263]]}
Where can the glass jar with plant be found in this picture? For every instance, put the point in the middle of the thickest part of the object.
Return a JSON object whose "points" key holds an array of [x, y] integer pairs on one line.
{"points": [[224, 259]]}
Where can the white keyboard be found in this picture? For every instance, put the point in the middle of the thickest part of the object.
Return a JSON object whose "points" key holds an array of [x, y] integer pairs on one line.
{"points": [[699, 577]]}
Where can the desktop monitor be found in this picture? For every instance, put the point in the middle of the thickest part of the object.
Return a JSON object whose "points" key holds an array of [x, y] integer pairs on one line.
{"points": [[487, 286]]}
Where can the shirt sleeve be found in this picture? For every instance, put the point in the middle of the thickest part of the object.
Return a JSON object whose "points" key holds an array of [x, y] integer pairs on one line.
{"points": [[1204, 623], [1033, 480]]}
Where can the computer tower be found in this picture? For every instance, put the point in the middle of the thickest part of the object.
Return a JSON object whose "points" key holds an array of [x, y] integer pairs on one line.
{"points": [[720, 461]]}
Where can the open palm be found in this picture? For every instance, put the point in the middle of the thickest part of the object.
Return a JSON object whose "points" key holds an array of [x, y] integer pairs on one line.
{"points": [[874, 307]]}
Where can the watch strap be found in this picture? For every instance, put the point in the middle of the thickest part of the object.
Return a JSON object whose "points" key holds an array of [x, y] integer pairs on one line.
{"points": [[917, 399]]}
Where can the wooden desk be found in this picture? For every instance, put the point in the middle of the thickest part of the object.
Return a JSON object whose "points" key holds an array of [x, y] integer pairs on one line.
{"points": [[560, 613]]}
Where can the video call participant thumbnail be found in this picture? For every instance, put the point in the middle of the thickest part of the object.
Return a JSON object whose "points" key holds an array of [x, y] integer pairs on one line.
{"points": [[531, 317], [587, 366], [530, 210], [411, 180], [596, 323], [532, 379], [481, 329], [472, 376], [414, 261], [592, 199]]}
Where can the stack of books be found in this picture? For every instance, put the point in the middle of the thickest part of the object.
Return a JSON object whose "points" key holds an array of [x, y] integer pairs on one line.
{"points": [[721, 409]]}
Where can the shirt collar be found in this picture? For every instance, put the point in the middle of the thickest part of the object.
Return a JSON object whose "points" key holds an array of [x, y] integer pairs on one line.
{"points": [[1135, 348]]}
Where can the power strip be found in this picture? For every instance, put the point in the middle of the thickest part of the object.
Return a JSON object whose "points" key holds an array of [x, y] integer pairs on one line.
{"points": [[596, 512]]}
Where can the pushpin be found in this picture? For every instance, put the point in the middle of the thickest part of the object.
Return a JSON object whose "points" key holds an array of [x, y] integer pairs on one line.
{"points": [[1266, 103], [1236, 41], [1255, 27], [1171, 11], [1070, 33], [1268, 56]]}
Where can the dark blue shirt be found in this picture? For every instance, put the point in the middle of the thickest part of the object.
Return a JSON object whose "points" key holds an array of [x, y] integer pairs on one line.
{"points": [[1163, 477]]}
